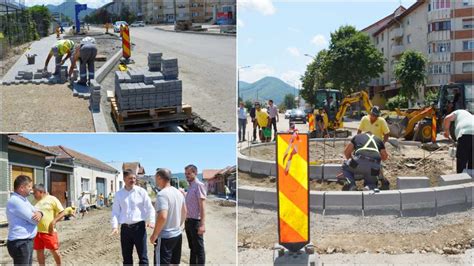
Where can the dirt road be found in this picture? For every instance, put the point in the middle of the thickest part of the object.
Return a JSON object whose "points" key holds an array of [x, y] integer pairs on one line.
{"points": [[348, 235], [88, 240]]}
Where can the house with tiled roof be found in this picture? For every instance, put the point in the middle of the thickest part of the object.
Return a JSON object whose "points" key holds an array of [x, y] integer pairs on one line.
{"points": [[90, 175], [217, 179], [20, 156]]}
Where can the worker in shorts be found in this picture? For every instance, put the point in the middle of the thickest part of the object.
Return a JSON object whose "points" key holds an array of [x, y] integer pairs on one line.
{"points": [[363, 157], [47, 237], [85, 53]]}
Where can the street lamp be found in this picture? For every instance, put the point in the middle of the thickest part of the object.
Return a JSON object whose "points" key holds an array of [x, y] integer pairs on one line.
{"points": [[308, 55], [238, 78]]}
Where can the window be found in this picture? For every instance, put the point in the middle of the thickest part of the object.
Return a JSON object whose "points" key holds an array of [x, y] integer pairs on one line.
{"points": [[467, 67], [382, 36], [439, 26], [467, 2], [408, 21], [377, 40], [439, 68], [408, 38], [468, 23], [439, 4], [227, 9], [382, 50], [442, 47], [85, 184], [468, 45], [195, 14]]}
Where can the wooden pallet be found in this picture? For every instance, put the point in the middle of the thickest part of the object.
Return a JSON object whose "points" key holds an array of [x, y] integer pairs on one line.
{"points": [[149, 119]]}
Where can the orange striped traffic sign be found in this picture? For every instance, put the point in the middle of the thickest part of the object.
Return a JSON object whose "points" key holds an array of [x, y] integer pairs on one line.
{"points": [[311, 122], [433, 129], [126, 51], [293, 190]]}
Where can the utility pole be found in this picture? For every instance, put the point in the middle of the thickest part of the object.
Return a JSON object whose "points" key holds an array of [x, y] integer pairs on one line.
{"points": [[174, 3]]}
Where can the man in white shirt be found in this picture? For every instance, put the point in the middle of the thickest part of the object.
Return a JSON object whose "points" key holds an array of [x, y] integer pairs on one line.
{"points": [[171, 213], [131, 208], [273, 113]]}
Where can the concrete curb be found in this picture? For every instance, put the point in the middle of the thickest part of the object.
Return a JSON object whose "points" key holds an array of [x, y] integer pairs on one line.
{"points": [[407, 202], [107, 67], [200, 33]]}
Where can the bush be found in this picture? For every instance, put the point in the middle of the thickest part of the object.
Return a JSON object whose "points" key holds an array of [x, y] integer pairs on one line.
{"points": [[397, 102], [431, 96]]}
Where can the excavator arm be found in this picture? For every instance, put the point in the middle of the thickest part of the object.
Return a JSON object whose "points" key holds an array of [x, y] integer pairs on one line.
{"points": [[347, 101]]}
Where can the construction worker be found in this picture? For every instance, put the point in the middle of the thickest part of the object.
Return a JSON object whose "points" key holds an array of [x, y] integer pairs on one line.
{"points": [[375, 124], [61, 48], [363, 157], [464, 132], [69, 212], [47, 237], [86, 53], [264, 122], [321, 130]]}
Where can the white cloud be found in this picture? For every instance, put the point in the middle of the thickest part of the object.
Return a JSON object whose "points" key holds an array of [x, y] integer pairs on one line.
{"points": [[292, 77], [255, 72], [293, 51], [240, 23], [90, 3], [320, 41], [265, 7]]}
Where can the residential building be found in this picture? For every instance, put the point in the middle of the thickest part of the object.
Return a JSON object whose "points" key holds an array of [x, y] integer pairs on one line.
{"points": [[439, 29], [20, 156], [90, 175], [217, 179]]}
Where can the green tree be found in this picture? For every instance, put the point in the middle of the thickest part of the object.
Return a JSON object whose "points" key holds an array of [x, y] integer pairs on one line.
{"points": [[42, 17], [351, 60], [289, 101], [248, 105], [314, 78], [183, 184], [411, 73]]}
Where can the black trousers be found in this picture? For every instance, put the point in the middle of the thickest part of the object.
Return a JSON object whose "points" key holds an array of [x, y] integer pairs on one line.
{"points": [[130, 236], [464, 152], [274, 125], [168, 250], [254, 131], [21, 251], [195, 242]]}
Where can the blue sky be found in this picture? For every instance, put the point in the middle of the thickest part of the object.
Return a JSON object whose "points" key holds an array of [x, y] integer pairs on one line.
{"points": [[273, 36], [173, 151], [90, 3]]}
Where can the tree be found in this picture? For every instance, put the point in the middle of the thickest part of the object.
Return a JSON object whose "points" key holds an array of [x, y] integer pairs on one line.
{"points": [[248, 105], [411, 73], [314, 78], [351, 60], [289, 101], [42, 17]]}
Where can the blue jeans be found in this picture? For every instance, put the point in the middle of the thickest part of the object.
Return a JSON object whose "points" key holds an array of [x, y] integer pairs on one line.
{"points": [[130, 236], [242, 125]]}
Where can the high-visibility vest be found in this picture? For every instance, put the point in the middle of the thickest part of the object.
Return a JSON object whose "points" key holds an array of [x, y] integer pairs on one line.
{"points": [[64, 46]]}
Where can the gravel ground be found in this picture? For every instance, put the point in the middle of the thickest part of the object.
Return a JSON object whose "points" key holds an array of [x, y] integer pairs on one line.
{"points": [[46, 108], [399, 163], [88, 240], [346, 234]]}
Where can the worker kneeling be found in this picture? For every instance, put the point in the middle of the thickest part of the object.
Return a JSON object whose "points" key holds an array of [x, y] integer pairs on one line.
{"points": [[363, 157], [86, 53]]}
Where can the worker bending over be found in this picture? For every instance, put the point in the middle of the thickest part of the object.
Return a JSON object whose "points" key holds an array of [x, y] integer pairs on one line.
{"points": [[61, 48], [363, 157], [86, 53], [464, 131], [375, 124]]}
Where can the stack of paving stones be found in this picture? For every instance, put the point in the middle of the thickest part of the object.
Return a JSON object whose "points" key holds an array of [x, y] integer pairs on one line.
{"points": [[154, 61], [170, 68], [141, 88], [94, 100]]}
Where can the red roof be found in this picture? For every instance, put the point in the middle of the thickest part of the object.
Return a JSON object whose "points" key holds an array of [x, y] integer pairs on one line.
{"points": [[67, 153], [208, 174], [22, 141]]}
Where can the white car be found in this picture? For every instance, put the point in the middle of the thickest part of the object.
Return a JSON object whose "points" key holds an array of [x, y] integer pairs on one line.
{"points": [[117, 25], [138, 24], [287, 114]]}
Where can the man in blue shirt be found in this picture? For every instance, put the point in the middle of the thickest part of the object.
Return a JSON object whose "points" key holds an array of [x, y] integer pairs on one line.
{"points": [[22, 220]]}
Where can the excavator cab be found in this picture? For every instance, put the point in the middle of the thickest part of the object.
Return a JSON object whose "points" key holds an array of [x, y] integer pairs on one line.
{"points": [[329, 100]]}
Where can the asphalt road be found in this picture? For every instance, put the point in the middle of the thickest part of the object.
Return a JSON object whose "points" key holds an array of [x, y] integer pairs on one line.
{"points": [[207, 66]]}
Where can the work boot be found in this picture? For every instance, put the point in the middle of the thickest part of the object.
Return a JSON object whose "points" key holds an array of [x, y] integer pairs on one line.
{"points": [[82, 83]]}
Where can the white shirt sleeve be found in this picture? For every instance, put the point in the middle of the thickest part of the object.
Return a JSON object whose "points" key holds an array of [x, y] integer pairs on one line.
{"points": [[115, 211], [149, 209]]}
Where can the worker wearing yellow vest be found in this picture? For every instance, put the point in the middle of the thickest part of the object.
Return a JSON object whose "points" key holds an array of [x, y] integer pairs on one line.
{"points": [[363, 157], [321, 123], [61, 48]]}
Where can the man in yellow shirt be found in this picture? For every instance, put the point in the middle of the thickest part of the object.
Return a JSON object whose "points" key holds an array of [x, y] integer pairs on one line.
{"points": [[263, 122], [47, 237], [61, 48], [375, 124], [69, 212]]}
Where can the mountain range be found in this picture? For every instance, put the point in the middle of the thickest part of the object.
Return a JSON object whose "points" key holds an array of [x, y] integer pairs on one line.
{"points": [[67, 8], [265, 89]]}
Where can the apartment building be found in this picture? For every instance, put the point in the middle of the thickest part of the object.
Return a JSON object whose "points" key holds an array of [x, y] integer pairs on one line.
{"points": [[439, 29]]}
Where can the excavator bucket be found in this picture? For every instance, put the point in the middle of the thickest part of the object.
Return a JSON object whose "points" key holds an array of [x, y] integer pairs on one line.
{"points": [[397, 126]]}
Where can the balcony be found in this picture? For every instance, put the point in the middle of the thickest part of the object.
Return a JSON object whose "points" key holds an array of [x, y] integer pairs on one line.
{"points": [[397, 50], [396, 33]]}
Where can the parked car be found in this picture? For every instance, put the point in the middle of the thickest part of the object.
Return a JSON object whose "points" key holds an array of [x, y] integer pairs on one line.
{"points": [[297, 115], [287, 114], [138, 24], [117, 25]]}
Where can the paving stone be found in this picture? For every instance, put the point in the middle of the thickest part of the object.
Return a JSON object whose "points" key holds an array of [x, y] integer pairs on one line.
{"points": [[405, 182], [450, 199], [343, 202], [382, 203], [454, 179], [418, 202]]}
